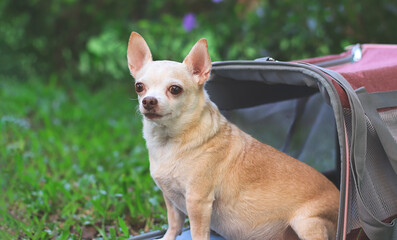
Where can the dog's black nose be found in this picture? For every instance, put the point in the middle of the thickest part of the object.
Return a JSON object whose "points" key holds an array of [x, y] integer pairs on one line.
{"points": [[149, 102]]}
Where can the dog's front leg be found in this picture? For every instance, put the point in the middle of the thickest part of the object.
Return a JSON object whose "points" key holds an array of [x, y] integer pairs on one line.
{"points": [[199, 211], [176, 219]]}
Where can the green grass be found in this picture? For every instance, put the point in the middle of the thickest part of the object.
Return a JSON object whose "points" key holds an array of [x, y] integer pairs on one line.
{"points": [[73, 163]]}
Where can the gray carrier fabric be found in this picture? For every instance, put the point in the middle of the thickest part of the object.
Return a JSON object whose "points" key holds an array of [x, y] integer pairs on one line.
{"points": [[390, 120], [295, 126]]}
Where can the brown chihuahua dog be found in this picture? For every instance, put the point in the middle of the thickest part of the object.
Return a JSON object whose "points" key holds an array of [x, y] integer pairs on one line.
{"points": [[211, 171]]}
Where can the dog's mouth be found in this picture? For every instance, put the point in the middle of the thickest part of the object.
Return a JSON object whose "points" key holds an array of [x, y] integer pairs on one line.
{"points": [[153, 116]]}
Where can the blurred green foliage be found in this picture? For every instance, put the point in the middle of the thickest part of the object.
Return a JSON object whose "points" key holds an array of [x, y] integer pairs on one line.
{"points": [[87, 40]]}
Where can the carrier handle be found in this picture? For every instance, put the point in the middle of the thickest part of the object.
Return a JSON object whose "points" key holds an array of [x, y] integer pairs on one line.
{"points": [[355, 56], [371, 102]]}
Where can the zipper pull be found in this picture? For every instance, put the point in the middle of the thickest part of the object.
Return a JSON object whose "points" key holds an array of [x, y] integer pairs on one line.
{"points": [[266, 59]]}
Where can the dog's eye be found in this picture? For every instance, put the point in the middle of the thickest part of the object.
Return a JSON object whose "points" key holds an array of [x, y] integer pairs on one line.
{"points": [[175, 90], [139, 87]]}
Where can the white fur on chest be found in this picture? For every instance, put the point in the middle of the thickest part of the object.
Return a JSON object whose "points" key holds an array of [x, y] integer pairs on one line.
{"points": [[165, 171]]}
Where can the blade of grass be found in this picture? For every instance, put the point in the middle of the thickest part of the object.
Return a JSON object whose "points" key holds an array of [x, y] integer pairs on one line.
{"points": [[102, 232], [123, 227]]}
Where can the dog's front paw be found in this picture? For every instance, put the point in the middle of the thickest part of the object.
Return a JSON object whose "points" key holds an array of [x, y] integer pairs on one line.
{"points": [[165, 238], [168, 236]]}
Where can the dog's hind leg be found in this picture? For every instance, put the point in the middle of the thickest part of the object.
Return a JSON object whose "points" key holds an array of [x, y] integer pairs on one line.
{"points": [[313, 228]]}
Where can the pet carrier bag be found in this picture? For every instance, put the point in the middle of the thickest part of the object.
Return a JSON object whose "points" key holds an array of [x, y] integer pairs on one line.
{"points": [[336, 113]]}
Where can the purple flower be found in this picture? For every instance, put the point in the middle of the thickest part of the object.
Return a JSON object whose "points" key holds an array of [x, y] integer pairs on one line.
{"points": [[217, 1], [189, 22]]}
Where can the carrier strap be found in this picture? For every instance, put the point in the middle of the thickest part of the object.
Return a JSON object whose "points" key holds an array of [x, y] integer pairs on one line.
{"points": [[358, 151]]}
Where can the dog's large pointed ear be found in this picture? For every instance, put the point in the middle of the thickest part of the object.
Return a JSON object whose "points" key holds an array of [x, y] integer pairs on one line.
{"points": [[198, 61], [138, 53]]}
